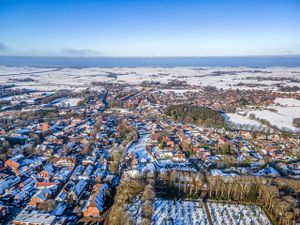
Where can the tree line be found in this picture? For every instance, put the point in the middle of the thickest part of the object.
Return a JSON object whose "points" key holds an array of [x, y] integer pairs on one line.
{"points": [[198, 115], [128, 134], [141, 186], [277, 196]]}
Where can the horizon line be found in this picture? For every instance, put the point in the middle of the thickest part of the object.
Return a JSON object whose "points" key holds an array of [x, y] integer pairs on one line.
{"points": [[203, 56]]}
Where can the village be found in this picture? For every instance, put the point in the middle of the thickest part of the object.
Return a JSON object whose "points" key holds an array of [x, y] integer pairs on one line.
{"points": [[68, 157]]}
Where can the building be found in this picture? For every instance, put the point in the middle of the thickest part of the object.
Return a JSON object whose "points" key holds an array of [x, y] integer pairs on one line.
{"points": [[8, 182], [4, 213], [64, 161], [31, 217], [45, 174], [95, 204], [78, 189], [13, 163], [40, 197], [179, 157]]}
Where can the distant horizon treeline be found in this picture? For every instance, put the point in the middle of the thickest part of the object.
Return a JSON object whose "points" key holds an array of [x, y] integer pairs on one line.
{"points": [[197, 115]]}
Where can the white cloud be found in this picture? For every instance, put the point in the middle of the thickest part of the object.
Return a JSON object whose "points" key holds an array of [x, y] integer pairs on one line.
{"points": [[80, 52]]}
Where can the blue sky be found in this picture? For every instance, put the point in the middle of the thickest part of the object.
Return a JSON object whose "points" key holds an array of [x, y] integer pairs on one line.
{"points": [[149, 27]]}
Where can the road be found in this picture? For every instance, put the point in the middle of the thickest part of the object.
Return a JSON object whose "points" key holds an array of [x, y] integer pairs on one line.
{"points": [[104, 97]]}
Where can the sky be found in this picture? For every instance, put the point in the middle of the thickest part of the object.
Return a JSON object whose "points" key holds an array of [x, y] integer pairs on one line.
{"points": [[154, 28]]}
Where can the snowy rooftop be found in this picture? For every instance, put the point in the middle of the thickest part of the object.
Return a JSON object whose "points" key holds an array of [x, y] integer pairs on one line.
{"points": [[33, 217]]}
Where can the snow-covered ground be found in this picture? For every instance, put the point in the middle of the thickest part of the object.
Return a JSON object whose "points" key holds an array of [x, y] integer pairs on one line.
{"points": [[139, 148], [267, 172], [179, 212], [186, 212], [165, 164], [68, 102], [178, 91], [172, 212], [142, 156], [231, 214], [242, 120], [280, 114], [218, 172], [282, 117], [76, 78], [135, 211], [288, 101]]}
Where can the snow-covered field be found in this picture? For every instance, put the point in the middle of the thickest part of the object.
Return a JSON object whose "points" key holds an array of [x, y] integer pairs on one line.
{"points": [[172, 212], [283, 115], [241, 120], [68, 102], [231, 214], [288, 102], [179, 212], [280, 114], [178, 91], [186, 212], [76, 78], [282, 121]]}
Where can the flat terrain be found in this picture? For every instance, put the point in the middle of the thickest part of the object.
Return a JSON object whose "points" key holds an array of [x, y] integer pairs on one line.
{"points": [[182, 212]]}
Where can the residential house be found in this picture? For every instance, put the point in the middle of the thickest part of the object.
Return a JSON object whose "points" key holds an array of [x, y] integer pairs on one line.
{"points": [[4, 213], [40, 196], [14, 162], [64, 161], [95, 204], [29, 216], [179, 157]]}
